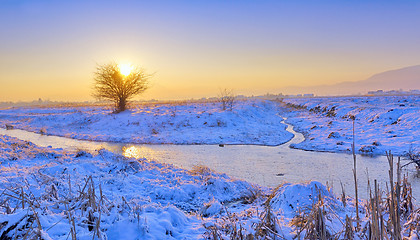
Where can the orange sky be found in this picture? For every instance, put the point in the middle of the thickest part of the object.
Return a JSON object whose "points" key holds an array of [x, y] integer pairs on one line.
{"points": [[49, 49]]}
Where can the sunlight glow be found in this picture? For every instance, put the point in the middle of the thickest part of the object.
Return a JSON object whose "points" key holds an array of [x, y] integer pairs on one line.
{"points": [[125, 69], [139, 152], [131, 152]]}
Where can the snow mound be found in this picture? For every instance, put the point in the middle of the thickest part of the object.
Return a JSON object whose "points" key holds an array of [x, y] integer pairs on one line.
{"points": [[294, 197]]}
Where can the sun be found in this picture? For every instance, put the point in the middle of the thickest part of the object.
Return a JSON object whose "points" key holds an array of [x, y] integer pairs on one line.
{"points": [[125, 69]]}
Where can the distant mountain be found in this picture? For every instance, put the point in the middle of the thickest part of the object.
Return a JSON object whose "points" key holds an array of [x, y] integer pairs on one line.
{"points": [[405, 78]]}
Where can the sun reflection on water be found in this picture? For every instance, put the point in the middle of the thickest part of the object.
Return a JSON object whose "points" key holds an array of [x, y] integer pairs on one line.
{"points": [[139, 152]]}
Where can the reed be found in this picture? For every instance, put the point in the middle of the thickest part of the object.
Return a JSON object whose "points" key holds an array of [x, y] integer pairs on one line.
{"points": [[73, 207], [312, 222], [355, 176]]}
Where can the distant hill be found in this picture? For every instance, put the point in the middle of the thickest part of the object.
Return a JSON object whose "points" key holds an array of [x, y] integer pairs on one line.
{"points": [[405, 78]]}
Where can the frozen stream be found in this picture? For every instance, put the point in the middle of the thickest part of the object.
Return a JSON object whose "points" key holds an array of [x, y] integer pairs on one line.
{"points": [[263, 165]]}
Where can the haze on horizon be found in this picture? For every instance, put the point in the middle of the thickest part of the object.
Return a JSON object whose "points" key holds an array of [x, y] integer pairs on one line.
{"points": [[49, 49]]}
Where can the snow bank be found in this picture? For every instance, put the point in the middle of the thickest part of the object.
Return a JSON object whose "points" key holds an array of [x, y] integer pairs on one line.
{"points": [[386, 123], [250, 122]]}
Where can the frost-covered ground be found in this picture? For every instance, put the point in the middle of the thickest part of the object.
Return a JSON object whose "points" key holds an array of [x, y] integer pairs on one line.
{"points": [[386, 123], [79, 195], [250, 122], [102, 195], [136, 199]]}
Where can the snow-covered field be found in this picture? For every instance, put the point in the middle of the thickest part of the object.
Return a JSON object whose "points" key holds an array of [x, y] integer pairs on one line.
{"points": [[250, 122], [382, 124], [386, 123], [101, 195]]}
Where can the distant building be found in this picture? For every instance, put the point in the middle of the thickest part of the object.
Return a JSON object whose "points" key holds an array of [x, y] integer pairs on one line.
{"points": [[377, 92], [393, 92]]}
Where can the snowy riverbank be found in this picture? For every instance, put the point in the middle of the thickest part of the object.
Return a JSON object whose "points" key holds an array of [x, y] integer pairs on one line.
{"points": [[250, 122], [386, 123], [133, 198], [382, 124]]}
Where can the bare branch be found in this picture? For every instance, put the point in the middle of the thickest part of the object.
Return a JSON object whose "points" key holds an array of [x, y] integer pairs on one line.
{"points": [[227, 98], [110, 84]]}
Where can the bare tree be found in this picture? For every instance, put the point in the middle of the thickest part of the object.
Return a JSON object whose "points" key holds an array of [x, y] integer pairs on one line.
{"points": [[227, 98], [111, 84]]}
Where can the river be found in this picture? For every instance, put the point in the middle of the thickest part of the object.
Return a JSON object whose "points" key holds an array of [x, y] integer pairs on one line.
{"points": [[263, 165]]}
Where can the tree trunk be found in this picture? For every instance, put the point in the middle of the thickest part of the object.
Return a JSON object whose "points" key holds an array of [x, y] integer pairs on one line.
{"points": [[121, 105]]}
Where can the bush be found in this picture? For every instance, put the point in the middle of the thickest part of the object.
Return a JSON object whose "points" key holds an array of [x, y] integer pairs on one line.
{"points": [[227, 99]]}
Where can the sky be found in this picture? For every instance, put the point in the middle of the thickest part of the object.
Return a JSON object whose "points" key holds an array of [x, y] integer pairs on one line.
{"points": [[49, 49]]}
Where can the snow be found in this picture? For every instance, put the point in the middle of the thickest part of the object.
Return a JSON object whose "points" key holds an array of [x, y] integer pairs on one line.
{"points": [[386, 123], [292, 197], [60, 194], [114, 197], [250, 122], [162, 194]]}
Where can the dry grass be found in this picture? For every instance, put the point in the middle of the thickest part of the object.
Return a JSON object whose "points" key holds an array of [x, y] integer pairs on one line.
{"points": [[87, 202], [311, 222], [385, 215], [232, 226], [200, 170]]}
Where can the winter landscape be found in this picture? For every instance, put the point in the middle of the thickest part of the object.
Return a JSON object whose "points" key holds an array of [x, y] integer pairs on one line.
{"points": [[129, 120], [90, 193]]}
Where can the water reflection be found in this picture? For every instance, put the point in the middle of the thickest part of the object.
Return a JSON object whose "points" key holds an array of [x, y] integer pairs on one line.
{"points": [[131, 152], [139, 152]]}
